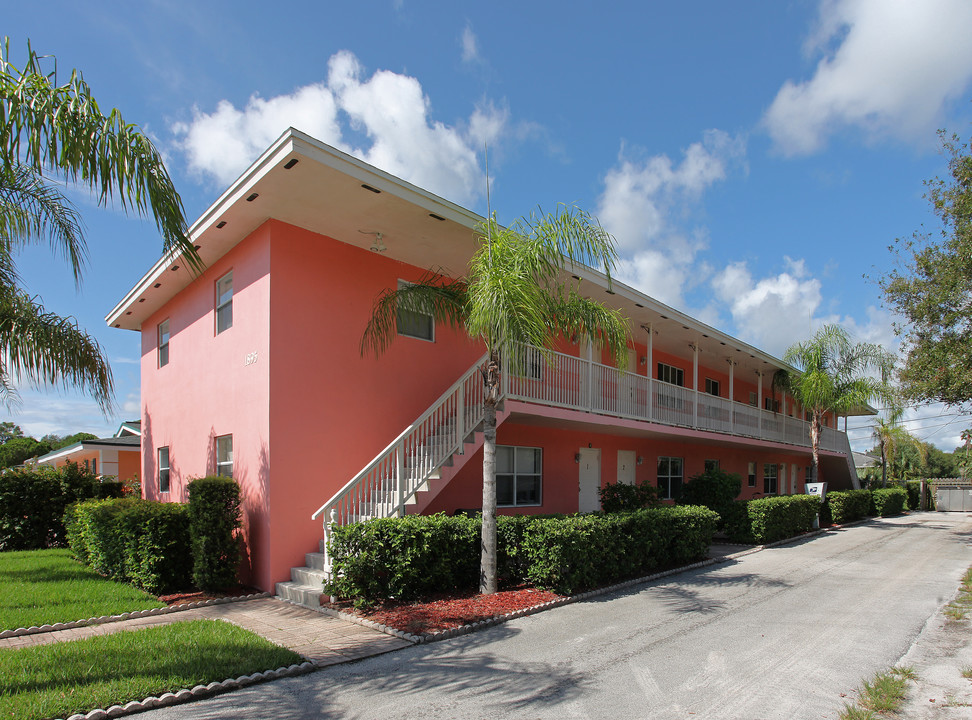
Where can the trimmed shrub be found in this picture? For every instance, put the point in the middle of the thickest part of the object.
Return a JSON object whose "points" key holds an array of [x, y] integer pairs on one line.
{"points": [[132, 540], [621, 497], [778, 518], [736, 524], [33, 501], [848, 505], [214, 520], [889, 501], [404, 558], [714, 489]]}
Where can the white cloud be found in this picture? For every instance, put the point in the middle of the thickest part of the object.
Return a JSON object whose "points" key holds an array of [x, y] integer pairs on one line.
{"points": [[387, 108], [778, 310], [470, 46], [646, 205], [887, 67]]}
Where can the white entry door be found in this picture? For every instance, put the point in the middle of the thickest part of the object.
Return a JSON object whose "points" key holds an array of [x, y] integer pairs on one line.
{"points": [[626, 467], [589, 480], [793, 479]]}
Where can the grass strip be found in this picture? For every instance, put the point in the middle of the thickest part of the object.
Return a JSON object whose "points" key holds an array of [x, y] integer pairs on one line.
{"points": [[61, 679], [39, 587]]}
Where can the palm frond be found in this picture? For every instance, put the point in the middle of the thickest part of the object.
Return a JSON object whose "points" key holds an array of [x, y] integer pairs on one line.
{"points": [[47, 349], [573, 315], [32, 210], [446, 300], [46, 126]]}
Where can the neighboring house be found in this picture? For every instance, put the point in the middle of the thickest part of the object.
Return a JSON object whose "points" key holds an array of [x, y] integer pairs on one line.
{"points": [[864, 461], [119, 456], [253, 369]]}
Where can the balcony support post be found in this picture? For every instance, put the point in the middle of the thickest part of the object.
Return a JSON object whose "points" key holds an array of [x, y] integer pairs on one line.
{"points": [[732, 396], [695, 383], [648, 372], [759, 401]]}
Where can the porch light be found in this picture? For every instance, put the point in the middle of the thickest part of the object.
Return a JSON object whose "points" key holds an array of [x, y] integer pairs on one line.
{"points": [[643, 360], [641, 460], [577, 458]]}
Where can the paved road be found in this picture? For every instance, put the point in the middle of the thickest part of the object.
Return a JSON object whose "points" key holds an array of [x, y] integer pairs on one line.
{"points": [[775, 634]]}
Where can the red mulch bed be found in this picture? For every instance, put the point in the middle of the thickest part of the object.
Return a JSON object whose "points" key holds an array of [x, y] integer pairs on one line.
{"points": [[450, 612], [180, 598]]}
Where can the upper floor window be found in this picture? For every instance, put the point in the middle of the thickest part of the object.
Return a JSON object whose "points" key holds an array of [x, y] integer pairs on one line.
{"points": [[164, 469], [712, 386], [753, 399], [771, 404], [519, 472], [224, 302], [164, 343], [224, 455], [671, 374], [415, 324]]}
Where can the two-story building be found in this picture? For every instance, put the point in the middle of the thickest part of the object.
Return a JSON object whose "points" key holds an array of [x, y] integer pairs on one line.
{"points": [[254, 368]]}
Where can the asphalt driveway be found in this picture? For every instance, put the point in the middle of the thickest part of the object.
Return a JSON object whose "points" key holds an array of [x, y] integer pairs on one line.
{"points": [[781, 633]]}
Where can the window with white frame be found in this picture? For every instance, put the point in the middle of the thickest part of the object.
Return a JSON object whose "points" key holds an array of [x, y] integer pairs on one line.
{"points": [[529, 364], [519, 472], [413, 324], [711, 465], [771, 479], [753, 399], [163, 469], [671, 374], [224, 455], [670, 477], [752, 475], [771, 404], [224, 302], [164, 343], [712, 387]]}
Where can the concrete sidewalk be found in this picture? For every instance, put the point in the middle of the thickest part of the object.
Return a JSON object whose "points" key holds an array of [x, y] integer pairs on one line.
{"points": [[319, 638]]}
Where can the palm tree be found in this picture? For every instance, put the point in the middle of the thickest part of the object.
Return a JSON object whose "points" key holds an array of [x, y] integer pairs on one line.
{"points": [[834, 378], [891, 437], [47, 129], [514, 294]]}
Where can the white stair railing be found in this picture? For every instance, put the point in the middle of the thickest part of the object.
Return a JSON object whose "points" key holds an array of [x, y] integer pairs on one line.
{"points": [[388, 482]]}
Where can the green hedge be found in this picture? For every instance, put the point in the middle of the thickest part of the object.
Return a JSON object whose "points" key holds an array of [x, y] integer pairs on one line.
{"points": [[913, 487], [621, 497], [214, 520], [416, 556], [132, 540], [767, 520], [848, 505], [889, 501], [714, 489], [33, 500]]}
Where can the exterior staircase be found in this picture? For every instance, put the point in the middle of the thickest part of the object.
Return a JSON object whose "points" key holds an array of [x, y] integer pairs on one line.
{"points": [[405, 477]]}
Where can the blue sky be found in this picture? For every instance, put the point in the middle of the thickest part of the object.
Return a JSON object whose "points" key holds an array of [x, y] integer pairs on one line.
{"points": [[754, 160]]}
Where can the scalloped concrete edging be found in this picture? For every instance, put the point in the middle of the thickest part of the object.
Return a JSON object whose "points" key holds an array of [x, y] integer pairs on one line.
{"points": [[196, 693], [550, 605], [105, 619]]}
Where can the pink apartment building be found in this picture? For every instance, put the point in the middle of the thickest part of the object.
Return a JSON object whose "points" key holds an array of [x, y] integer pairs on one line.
{"points": [[254, 369]]}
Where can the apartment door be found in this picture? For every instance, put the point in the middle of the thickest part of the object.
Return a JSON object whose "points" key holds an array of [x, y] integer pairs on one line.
{"points": [[589, 480], [626, 467], [793, 479]]}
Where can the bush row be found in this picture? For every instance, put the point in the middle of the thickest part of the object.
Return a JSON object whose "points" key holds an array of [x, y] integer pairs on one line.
{"points": [[767, 520], [33, 500], [889, 501], [162, 546], [415, 556], [847, 506]]}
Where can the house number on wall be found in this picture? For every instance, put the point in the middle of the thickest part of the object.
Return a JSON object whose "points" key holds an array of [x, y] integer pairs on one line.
{"points": [[249, 359]]}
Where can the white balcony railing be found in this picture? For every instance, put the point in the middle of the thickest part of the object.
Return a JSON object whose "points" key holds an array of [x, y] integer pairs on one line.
{"points": [[572, 382]]}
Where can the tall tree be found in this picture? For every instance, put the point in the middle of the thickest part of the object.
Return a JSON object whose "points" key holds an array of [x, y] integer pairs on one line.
{"points": [[515, 293], [51, 130], [835, 377], [931, 290]]}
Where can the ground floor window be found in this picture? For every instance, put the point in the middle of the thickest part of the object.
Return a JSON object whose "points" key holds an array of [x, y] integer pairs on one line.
{"points": [[711, 465], [752, 474], [224, 455], [670, 477], [808, 474], [518, 475], [770, 479], [164, 469]]}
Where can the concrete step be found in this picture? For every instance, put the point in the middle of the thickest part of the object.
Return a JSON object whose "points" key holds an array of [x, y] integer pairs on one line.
{"points": [[315, 560], [308, 576], [305, 595]]}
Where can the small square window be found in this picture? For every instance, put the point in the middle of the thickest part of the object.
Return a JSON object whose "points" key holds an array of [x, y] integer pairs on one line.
{"points": [[712, 387], [224, 302], [414, 324], [163, 469], [711, 465], [163, 343], [224, 455]]}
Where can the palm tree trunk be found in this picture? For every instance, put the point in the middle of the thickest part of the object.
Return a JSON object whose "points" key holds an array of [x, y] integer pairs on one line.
{"points": [[487, 566], [884, 466], [815, 446]]}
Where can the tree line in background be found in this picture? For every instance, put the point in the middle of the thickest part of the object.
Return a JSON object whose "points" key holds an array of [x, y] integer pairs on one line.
{"points": [[17, 448]]}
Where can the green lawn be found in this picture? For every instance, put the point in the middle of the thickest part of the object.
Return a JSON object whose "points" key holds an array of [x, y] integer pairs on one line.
{"points": [[65, 678], [38, 587]]}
